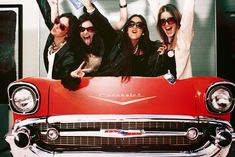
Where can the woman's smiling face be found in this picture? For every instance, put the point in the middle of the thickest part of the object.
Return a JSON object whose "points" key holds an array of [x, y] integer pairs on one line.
{"points": [[169, 26], [87, 33], [134, 30]]}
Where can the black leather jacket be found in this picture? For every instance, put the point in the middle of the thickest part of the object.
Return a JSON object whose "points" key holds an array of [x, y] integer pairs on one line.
{"points": [[65, 60]]}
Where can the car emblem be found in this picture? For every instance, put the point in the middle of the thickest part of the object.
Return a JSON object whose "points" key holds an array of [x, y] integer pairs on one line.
{"points": [[123, 102], [121, 133]]}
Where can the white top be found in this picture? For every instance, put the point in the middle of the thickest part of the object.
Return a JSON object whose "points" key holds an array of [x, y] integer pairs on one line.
{"points": [[184, 41], [51, 58]]}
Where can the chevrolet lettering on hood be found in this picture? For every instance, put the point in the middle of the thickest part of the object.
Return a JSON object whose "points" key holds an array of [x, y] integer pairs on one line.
{"points": [[127, 98]]}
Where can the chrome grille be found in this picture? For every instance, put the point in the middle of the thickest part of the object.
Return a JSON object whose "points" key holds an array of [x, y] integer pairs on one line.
{"points": [[161, 142], [100, 141]]}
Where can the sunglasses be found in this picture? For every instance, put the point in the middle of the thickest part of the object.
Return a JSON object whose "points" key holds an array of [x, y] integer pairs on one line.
{"points": [[137, 24], [89, 29], [170, 21], [62, 26]]}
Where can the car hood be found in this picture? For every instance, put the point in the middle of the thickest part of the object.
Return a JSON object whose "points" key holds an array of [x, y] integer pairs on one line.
{"points": [[111, 95]]}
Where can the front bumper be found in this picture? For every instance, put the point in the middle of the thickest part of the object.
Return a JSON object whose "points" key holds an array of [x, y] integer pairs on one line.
{"points": [[216, 145]]}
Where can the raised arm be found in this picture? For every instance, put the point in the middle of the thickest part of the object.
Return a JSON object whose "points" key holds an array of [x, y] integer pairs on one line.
{"points": [[154, 7], [88, 4], [186, 27], [54, 9], [46, 12], [123, 15], [101, 23]]}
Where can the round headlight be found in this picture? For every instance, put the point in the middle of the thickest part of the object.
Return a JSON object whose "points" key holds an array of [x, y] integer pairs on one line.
{"points": [[24, 100], [220, 100]]}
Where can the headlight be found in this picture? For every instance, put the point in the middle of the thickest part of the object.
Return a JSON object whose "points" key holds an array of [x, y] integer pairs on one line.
{"points": [[23, 99], [220, 99]]}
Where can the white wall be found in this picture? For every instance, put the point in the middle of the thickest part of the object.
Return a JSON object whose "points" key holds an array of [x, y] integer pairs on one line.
{"points": [[30, 35]]}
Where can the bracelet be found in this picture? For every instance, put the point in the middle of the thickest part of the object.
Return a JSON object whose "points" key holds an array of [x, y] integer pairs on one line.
{"points": [[122, 6], [91, 11]]}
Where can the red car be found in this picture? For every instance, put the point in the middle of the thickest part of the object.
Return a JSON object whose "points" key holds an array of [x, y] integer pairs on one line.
{"points": [[106, 116]]}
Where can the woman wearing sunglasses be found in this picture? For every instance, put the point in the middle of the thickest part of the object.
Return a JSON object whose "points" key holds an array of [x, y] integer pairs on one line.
{"points": [[59, 57], [129, 52], [176, 31]]}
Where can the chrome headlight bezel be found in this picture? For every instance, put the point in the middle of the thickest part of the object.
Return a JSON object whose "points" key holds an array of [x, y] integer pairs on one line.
{"points": [[23, 98], [220, 98]]}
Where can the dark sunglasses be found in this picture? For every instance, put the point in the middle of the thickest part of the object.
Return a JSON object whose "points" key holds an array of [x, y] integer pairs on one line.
{"points": [[137, 24], [62, 26], [170, 21], [89, 29]]}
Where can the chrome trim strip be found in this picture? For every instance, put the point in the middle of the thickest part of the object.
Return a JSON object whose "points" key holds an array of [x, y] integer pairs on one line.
{"points": [[120, 118], [116, 135], [28, 121], [233, 137], [122, 103]]}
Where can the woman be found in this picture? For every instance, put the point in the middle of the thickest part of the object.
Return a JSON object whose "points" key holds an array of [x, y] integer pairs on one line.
{"points": [[130, 52], [59, 57], [176, 30]]}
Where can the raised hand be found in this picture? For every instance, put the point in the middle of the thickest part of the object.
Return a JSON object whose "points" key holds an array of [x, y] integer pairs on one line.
{"points": [[54, 9], [79, 72], [162, 49], [88, 5], [53, 3], [154, 7]]}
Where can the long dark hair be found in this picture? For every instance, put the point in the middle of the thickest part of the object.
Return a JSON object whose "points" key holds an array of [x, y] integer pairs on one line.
{"points": [[144, 44], [144, 40], [72, 31], [176, 15], [96, 46]]}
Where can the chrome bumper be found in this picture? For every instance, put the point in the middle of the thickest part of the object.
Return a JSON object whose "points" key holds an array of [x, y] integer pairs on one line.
{"points": [[33, 150]]}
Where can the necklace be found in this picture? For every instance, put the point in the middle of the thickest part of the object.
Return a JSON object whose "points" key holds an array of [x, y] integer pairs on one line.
{"points": [[55, 47], [136, 49]]}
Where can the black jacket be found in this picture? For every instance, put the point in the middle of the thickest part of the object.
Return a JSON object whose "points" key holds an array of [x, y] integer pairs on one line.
{"points": [[65, 60]]}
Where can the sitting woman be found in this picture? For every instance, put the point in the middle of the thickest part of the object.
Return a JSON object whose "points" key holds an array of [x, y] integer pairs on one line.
{"points": [[59, 55], [176, 30]]}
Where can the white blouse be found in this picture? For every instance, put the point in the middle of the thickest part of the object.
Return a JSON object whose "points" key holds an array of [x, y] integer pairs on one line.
{"points": [[51, 57]]}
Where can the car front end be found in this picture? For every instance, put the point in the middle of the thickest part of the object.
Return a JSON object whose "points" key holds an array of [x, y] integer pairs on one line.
{"points": [[106, 117]]}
